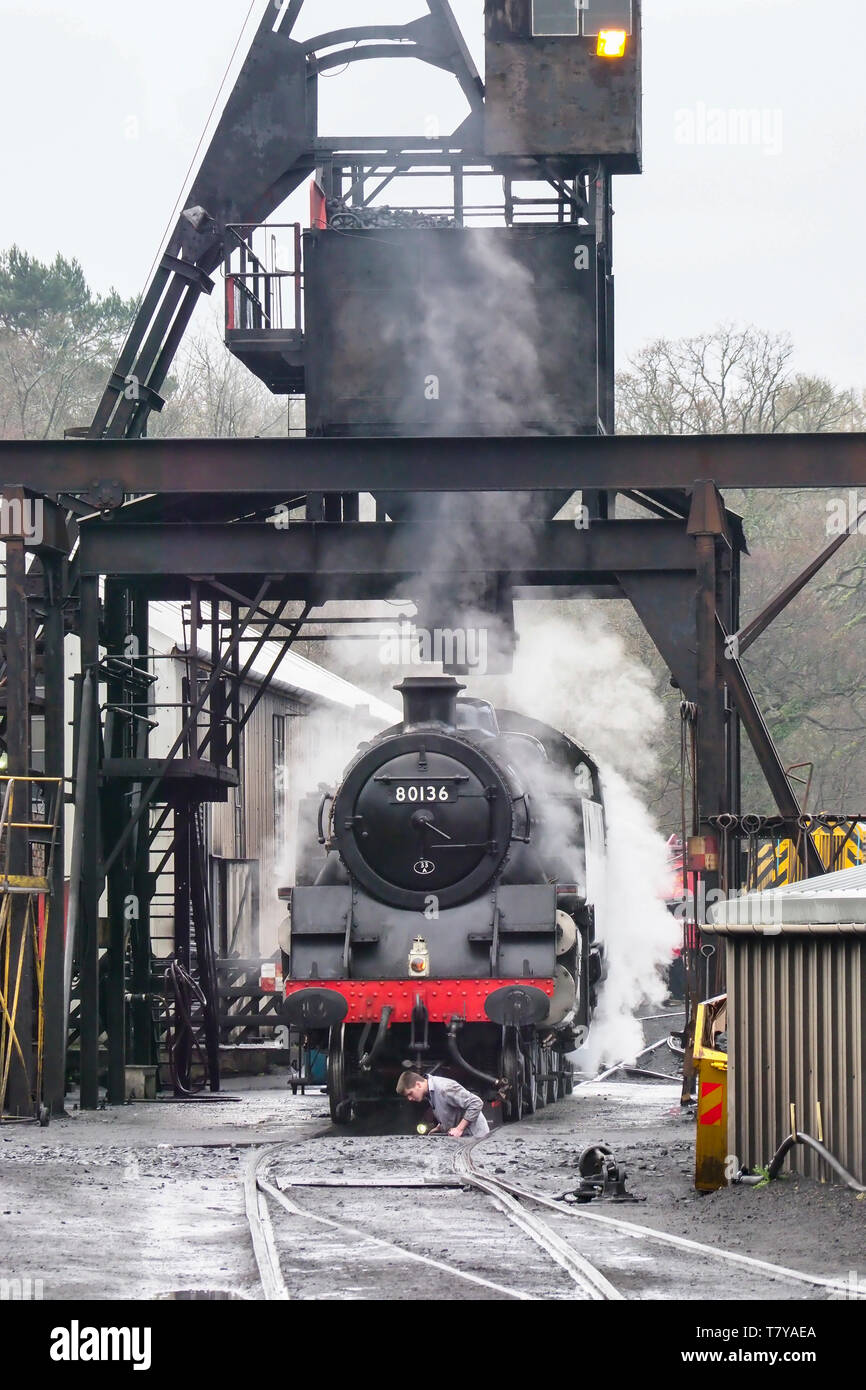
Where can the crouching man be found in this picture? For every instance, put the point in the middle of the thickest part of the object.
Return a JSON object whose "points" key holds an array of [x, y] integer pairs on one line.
{"points": [[457, 1110]]}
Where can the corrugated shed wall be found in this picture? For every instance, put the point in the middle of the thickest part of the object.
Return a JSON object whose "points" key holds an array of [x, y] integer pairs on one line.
{"points": [[320, 738], [796, 1034]]}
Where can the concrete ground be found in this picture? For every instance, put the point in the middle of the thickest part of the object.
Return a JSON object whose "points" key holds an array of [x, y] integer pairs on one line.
{"points": [[147, 1199], [142, 1199], [794, 1222]]}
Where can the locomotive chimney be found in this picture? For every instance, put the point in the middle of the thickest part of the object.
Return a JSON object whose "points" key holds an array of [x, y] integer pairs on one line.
{"points": [[430, 699]]}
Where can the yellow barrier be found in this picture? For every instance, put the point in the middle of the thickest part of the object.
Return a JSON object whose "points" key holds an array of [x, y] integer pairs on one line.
{"points": [[777, 861], [711, 1143]]}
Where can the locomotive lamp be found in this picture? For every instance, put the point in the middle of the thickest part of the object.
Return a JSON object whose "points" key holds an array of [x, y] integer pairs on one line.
{"points": [[419, 957]]}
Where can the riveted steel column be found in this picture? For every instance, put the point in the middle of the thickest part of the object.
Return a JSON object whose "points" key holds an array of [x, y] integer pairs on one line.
{"points": [[90, 861], [116, 800], [143, 1050], [56, 1021], [182, 932]]}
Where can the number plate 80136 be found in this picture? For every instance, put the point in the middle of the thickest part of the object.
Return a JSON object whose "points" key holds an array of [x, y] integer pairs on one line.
{"points": [[426, 792]]}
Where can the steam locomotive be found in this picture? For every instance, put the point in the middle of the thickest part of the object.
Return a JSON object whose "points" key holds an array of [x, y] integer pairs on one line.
{"points": [[455, 918]]}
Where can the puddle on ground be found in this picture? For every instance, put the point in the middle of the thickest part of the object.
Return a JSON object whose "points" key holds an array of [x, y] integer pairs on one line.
{"points": [[208, 1295]]}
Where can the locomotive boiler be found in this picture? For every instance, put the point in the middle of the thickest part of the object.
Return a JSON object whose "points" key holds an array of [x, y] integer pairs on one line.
{"points": [[448, 911]]}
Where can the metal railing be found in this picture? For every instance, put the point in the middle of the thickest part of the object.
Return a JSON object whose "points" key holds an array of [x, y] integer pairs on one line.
{"points": [[255, 299]]}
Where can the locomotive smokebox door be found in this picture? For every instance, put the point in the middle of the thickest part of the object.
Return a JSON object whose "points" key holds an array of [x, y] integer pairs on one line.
{"points": [[424, 812], [564, 80]]}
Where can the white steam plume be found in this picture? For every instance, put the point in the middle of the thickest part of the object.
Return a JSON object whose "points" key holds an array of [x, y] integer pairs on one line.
{"points": [[322, 744], [577, 676]]}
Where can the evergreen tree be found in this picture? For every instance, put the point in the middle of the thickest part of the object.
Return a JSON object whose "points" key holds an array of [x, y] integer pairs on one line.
{"points": [[58, 343]]}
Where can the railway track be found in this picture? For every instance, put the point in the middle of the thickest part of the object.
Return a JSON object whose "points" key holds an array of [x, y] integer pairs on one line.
{"points": [[389, 1260], [265, 1195]]}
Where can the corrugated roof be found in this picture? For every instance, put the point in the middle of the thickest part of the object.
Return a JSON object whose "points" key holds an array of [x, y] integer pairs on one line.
{"points": [[843, 881], [294, 673], [827, 900]]}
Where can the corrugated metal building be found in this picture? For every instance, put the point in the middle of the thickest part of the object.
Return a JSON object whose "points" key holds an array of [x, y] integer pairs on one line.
{"points": [[796, 972], [303, 731]]}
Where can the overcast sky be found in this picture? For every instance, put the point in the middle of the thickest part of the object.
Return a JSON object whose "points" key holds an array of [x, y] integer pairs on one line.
{"points": [[103, 103]]}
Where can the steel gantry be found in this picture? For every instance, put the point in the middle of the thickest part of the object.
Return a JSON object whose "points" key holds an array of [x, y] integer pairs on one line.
{"points": [[130, 520]]}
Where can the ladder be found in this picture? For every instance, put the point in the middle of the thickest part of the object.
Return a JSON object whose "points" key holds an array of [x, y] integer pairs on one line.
{"points": [[23, 933]]}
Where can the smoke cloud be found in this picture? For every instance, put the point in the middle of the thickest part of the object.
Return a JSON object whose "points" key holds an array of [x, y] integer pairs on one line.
{"points": [[321, 745], [576, 675]]}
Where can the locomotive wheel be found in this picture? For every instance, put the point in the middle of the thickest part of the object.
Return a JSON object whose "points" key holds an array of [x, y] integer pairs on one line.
{"points": [[556, 1091], [532, 1063], [540, 1082], [552, 1083], [338, 1099], [512, 1070], [568, 1079]]}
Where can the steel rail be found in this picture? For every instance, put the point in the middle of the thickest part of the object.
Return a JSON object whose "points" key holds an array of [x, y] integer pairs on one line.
{"points": [[639, 1232], [258, 1188], [262, 1231], [593, 1283], [266, 1188]]}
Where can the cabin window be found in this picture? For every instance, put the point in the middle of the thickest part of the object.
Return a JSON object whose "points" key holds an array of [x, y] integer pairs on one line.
{"points": [[561, 18], [606, 14], [555, 17]]}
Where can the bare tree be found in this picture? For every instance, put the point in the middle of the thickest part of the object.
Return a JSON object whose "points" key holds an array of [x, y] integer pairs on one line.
{"points": [[213, 395], [731, 381], [806, 669]]}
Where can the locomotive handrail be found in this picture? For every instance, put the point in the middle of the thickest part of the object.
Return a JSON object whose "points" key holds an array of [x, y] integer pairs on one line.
{"points": [[494, 944], [489, 846], [430, 777], [328, 796], [347, 943]]}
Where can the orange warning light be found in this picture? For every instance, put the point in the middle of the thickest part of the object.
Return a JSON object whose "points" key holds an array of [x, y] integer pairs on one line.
{"points": [[611, 43]]}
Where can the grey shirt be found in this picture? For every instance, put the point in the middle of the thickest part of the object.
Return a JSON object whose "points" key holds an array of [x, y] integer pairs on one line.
{"points": [[451, 1103]]}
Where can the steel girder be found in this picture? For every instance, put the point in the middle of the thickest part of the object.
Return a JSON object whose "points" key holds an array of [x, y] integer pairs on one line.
{"points": [[342, 559], [104, 471]]}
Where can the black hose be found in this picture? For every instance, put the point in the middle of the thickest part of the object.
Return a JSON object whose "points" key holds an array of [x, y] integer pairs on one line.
{"points": [[180, 1029], [461, 1061], [379, 1041], [785, 1148]]}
